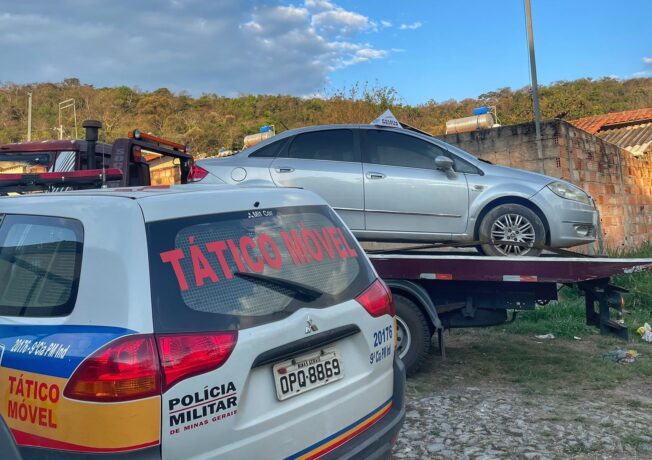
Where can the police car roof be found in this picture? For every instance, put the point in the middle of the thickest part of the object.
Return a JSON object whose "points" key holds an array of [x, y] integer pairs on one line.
{"points": [[136, 193], [160, 203]]}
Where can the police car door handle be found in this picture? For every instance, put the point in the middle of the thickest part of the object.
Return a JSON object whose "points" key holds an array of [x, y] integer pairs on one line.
{"points": [[375, 175], [284, 169]]}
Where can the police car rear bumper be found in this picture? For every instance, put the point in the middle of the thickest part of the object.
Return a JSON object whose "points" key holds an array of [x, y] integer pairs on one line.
{"points": [[10, 451], [373, 443], [35, 453], [377, 441]]}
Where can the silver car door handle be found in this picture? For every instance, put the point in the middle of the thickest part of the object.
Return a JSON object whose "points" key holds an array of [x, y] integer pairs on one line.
{"points": [[375, 175], [284, 169]]}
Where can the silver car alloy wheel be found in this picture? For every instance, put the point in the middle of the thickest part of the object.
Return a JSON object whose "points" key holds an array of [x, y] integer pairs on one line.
{"points": [[403, 337], [512, 227]]}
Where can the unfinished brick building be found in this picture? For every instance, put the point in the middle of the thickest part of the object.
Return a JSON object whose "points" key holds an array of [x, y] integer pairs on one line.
{"points": [[619, 182]]}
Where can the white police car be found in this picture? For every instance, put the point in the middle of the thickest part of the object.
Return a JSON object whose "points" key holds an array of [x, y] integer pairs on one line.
{"points": [[191, 322]]}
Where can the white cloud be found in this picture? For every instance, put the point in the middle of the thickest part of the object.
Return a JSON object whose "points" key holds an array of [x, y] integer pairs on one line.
{"points": [[385, 24], [370, 53], [647, 60], [642, 74], [412, 26], [228, 47], [318, 5], [341, 22]]}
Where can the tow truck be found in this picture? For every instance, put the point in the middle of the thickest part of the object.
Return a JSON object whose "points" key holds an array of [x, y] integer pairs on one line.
{"points": [[58, 165], [435, 291]]}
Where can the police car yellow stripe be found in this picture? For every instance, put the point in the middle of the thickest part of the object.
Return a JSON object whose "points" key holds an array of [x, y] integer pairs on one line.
{"points": [[34, 408], [326, 445]]}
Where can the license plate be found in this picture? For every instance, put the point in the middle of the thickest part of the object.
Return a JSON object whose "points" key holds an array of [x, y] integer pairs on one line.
{"points": [[307, 372]]}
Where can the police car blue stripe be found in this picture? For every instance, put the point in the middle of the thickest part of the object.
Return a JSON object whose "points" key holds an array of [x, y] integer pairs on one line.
{"points": [[53, 350]]}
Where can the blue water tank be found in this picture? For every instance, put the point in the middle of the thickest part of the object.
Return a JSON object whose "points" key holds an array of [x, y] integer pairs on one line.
{"points": [[481, 110], [265, 129]]}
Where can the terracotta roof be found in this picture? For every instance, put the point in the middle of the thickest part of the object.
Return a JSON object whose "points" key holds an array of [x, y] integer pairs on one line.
{"points": [[599, 122], [635, 138]]}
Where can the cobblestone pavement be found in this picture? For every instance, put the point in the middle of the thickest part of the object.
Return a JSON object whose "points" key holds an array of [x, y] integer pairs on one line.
{"points": [[452, 416]]}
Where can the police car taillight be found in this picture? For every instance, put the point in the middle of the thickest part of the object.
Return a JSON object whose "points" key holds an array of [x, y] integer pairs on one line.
{"points": [[123, 370], [377, 299], [186, 355]]}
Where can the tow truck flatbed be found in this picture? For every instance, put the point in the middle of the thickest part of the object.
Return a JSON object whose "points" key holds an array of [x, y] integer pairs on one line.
{"points": [[434, 291], [563, 270]]}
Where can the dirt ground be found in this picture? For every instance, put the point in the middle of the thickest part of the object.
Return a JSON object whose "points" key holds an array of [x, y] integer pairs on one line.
{"points": [[499, 395]]}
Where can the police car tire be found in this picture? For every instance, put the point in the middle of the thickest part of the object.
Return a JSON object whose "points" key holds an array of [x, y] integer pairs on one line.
{"points": [[419, 330]]}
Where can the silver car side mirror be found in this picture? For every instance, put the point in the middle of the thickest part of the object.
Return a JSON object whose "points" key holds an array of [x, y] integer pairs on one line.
{"points": [[445, 164]]}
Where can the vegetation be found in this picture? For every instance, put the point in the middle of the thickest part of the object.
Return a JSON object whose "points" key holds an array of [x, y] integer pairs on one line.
{"points": [[210, 122], [566, 318], [536, 367]]}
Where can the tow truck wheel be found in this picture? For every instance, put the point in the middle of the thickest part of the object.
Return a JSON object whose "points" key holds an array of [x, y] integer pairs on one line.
{"points": [[511, 222], [413, 335]]}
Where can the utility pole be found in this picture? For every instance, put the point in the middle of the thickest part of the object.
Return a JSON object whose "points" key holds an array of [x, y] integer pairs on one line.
{"points": [[535, 86], [29, 117]]}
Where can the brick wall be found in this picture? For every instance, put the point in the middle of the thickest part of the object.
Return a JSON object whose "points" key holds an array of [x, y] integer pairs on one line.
{"points": [[165, 173], [619, 182]]}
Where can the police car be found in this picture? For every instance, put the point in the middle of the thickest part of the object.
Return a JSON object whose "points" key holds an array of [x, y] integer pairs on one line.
{"points": [[191, 322]]}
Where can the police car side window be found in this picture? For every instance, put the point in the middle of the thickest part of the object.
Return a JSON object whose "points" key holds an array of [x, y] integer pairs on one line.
{"points": [[40, 261]]}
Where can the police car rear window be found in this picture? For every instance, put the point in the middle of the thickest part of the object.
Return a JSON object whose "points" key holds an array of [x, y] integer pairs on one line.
{"points": [[237, 270], [40, 261]]}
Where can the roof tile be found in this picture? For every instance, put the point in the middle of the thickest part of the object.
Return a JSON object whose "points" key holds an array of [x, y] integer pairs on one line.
{"points": [[596, 123]]}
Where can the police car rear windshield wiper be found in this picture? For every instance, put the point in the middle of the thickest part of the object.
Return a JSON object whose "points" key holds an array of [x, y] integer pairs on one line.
{"points": [[309, 293]]}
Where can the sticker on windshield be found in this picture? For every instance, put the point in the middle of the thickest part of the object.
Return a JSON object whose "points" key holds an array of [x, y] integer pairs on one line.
{"points": [[255, 263], [213, 261]]}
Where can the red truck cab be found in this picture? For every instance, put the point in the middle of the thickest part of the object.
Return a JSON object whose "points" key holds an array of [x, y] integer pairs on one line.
{"points": [[74, 164]]}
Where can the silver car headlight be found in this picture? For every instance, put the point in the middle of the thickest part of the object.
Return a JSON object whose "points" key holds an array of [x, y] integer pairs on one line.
{"points": [[570, 192]]}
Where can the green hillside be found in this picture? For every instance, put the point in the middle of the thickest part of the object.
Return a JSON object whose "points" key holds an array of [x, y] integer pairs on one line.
{"points": [[210, 121]]}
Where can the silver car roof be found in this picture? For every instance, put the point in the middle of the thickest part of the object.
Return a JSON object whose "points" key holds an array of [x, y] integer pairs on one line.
{"points": [[291, 132]]}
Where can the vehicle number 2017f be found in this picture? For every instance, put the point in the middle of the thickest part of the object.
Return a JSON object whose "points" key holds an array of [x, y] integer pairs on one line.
{"points": [[383, 335]]}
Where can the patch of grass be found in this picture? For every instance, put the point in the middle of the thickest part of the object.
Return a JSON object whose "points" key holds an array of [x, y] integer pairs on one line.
{"points": [[638, 302], [566, 368], [633, 403], [581, 448], [563, 319], [632, 440], [566, 318]]}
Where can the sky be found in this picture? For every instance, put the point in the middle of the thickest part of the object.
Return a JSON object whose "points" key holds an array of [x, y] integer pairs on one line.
{"points": [[425, 49]]}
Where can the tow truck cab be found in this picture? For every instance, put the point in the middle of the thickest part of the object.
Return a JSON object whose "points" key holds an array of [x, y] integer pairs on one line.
{"points": [[80, 164]]}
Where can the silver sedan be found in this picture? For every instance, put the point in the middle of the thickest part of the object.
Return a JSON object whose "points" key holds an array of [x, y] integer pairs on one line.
{"points": [[398, 185]]}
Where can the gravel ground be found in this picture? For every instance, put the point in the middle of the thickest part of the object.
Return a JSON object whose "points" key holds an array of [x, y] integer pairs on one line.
{"points": [[454, 415]]}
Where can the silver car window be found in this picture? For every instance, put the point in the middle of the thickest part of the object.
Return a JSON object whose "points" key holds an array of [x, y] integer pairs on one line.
{"points": [[331, 145], [396, 149], [268, 151]]}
